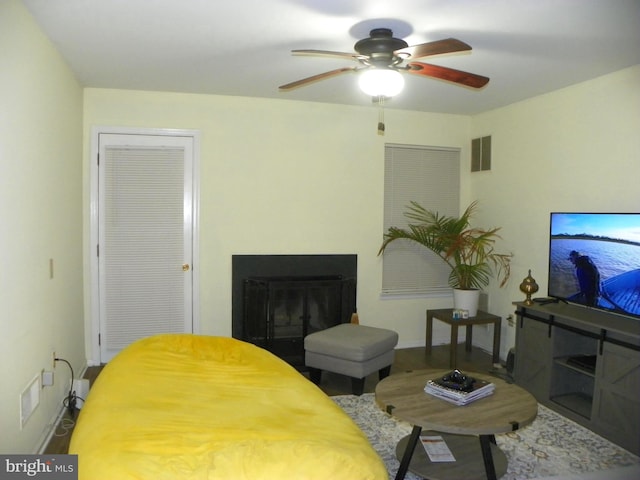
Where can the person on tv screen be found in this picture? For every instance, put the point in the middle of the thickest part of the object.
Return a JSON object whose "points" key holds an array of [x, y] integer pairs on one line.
{"points": [[588, 278]]}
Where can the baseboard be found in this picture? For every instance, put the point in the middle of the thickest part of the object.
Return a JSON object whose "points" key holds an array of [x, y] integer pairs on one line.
{"points": [[52, 426], [410, 344], [418, 343]]}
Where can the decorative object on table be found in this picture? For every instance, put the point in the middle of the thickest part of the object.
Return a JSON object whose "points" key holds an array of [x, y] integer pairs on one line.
{"points": [[529, 287], [457, 388], [460, 314], [469, 251]]}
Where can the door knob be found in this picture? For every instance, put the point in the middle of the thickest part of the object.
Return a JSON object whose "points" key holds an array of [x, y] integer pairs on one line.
{"points": [[185, 267]]}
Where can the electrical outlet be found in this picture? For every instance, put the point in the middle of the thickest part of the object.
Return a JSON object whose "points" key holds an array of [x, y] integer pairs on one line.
{"points": [[47, 378], [510, 320]]}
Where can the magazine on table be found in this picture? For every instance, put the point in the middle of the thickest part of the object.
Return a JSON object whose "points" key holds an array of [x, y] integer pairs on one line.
{"points": [[458, 388]]}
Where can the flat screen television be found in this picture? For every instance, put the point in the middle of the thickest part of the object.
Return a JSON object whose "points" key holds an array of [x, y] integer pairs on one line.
{"points": [[594, 260]]}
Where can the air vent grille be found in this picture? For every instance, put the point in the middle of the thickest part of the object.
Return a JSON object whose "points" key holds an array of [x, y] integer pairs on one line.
{"points": [[481, 154]]}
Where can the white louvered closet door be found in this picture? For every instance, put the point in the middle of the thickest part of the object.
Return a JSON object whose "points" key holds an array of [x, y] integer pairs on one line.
{"points": [[145, 238]]}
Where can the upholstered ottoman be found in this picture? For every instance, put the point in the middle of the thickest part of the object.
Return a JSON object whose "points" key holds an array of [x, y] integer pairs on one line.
{"points": [[352, 350]]}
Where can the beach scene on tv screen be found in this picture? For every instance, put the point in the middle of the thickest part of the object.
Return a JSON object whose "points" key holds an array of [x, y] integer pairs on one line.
{"points": [[595, 260]]}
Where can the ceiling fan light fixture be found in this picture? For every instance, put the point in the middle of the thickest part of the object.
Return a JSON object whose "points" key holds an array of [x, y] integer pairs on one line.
{"points": [[381, 82]]}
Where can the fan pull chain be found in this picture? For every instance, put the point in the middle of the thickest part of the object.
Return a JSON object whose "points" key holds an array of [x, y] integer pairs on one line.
{"points": [[380, 115]]}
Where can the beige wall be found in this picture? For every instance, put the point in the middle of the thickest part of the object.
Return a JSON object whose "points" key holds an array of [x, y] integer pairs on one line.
{"points": [[285, 177], [576, 149], [41, 215], [289, 177]]}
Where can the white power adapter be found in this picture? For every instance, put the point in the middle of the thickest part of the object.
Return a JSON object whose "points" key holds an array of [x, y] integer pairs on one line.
{"points": [[81, 388]]}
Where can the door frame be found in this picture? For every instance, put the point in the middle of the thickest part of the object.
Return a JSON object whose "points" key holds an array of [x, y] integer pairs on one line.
{"points": [[93, 299]]}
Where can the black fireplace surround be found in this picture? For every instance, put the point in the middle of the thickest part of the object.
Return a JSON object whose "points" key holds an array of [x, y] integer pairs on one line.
{"points": [[279, 299]]}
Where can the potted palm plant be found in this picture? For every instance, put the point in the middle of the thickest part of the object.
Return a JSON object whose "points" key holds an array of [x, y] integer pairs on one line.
{"points": [[468, 251]]}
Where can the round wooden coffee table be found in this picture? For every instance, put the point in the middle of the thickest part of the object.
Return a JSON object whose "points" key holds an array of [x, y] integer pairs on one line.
{"points": [[507, 409]]}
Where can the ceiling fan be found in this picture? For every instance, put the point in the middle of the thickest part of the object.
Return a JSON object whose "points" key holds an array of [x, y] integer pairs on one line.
{"points": [[383, 55]]}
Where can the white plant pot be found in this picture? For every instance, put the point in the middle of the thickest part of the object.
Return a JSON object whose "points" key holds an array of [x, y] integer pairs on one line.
{"points": [[466, 300]]}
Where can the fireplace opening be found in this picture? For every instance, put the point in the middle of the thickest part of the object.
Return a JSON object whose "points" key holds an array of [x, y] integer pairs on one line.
{"points": [[280, 299]]}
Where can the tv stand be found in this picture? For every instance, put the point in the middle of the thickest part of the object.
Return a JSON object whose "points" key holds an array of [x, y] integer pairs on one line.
{"points": [[584, 364]]}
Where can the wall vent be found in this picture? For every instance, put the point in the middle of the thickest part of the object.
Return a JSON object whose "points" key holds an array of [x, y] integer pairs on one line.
{"points": [[29, 400], [481, 154]]}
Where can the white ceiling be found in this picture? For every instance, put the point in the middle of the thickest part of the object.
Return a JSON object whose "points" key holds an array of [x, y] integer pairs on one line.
{"points": [[242, 47]]}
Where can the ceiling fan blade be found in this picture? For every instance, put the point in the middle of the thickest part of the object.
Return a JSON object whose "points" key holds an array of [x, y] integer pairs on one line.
{"points": [[448, 74], [316, 78], [327, 53], [448, 45]]}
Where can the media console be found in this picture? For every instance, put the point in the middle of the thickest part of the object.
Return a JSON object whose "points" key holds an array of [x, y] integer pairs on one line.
{"points": [[584, 364]]}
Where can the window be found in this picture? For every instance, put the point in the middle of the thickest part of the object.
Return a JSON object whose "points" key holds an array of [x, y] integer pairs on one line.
{"points": [[431, 177]]}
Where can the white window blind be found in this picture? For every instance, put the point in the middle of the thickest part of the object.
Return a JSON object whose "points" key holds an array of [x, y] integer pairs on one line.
{"points": [[431, 177]]}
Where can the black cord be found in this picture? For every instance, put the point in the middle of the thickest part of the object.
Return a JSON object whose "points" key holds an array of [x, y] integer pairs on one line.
{"points": [[70, 401]]}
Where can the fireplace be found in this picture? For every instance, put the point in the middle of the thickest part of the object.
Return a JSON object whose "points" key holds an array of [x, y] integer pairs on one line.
{"points": [[279, 299]]}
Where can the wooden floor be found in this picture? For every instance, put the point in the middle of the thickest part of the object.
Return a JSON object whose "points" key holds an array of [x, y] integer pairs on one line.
{"points": [[333, 384]]}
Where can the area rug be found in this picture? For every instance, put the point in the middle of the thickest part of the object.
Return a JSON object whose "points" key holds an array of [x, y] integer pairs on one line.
{"points": [[551, 446]]}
